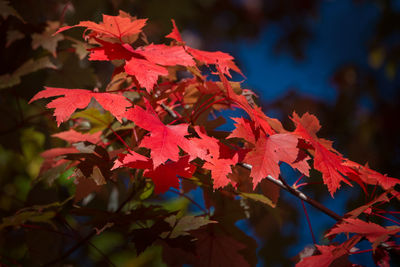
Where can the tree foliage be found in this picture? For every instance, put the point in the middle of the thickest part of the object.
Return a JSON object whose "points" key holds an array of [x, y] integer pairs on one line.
{"points": [[152, 129]]}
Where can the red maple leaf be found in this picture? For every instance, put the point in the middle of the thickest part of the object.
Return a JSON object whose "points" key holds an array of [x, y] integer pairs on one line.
{"points": [[133, 160], [372, 177], [268, 152], [144, 62], [111, 51], [222, 60], [220, 168], [146, 72], [245, 129], [166, 175], [372, 231], [164, 140], [148, 69], [326, 159], [73, 136], [214, 249], [210, 149], [268, 125], [54, 157], [331, 254], [112, 26], [78, 99], [207, 144], [175, 34], [166, 55], [327, 256], [324, 259]]}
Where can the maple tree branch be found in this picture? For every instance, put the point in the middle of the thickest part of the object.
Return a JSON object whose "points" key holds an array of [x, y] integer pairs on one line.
{"points": [[86, 238], [190, 199], [297, 193], [72, 250], [169, 111]]}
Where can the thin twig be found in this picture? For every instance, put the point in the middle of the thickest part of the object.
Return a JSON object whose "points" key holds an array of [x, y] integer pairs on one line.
{"points": [[190, 199], [87, 238]]}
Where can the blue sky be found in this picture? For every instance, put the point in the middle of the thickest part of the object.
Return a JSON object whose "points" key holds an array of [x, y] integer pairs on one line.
{"points": [[341, 34]]}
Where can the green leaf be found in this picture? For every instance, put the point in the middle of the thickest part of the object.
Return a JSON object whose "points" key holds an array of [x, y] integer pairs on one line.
{"points": [[98, 120], [259, 198], [32, 216], [9, 80], [106, 242], [7, 10], [49, 176], [185, 224], [147, 191]]}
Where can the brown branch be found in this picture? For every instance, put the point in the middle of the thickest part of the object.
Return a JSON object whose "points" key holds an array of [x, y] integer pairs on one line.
{"points": [[297, 193], [86, 238]]}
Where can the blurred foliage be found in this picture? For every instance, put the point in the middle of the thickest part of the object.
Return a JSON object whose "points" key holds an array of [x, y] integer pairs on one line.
{"points": [[364, 133]]}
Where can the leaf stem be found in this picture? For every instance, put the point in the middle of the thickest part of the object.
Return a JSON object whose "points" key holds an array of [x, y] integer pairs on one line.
{"points": [[308, 222], [384, 217]]}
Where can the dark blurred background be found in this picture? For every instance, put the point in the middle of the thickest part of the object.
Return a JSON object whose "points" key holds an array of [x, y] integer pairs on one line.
{"points": [[336, 59]]}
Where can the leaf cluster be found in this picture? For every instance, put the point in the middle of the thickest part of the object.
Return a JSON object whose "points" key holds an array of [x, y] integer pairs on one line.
{"points": [[154, 129]]}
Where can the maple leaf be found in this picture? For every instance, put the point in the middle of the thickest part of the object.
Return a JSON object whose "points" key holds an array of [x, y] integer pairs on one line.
{"points": [[133, 160], [73, 136], [210, 149], [220, 168], [325, 259], [164, 140], [268, 125], [175, 34], [208, 145], [146, 72], [245, 129], [326, 159], [166, 175], [98, 120], [335, 255], [166, 55], [222, 60], [112, 26], [8, 80], [53, 157], [7, 10], [268, 152], [356, 212], [183, 225], [372, 231], [144, 62], [328, 255], [46, 39], [218, 250], [110, 51], [372, 177], [12, 36], [80, 98], [84, 187]]}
